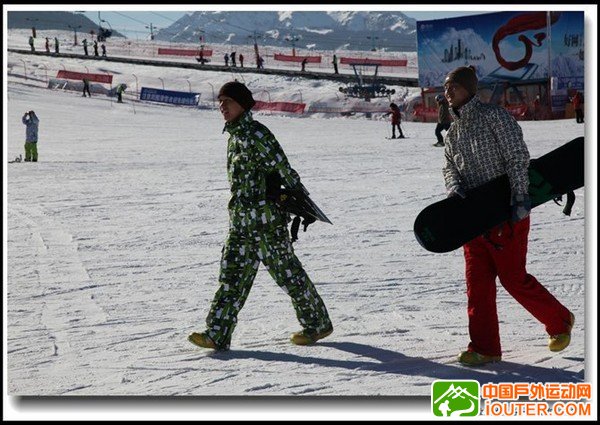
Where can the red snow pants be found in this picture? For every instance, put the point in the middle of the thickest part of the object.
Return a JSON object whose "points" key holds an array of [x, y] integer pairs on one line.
{"points": [[503, 254]]}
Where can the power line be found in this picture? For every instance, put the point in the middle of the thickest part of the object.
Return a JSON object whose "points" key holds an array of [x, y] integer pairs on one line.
{"points": [[129, 17], [164, 17]]}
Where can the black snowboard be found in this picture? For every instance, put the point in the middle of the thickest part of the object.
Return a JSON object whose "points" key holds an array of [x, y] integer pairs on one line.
{"points": [[449, 224], [295, 202], [300, 204]]}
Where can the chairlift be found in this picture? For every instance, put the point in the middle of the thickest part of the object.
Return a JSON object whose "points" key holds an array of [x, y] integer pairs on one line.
{"points": [[103, 33], [361, 89]]}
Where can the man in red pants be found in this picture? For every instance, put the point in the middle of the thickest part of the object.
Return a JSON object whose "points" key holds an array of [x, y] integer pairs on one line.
{"points": [[484, 142]]}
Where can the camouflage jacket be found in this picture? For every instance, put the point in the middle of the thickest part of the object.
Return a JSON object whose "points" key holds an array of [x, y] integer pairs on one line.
{"points": [[253, 152], [484, 142]]}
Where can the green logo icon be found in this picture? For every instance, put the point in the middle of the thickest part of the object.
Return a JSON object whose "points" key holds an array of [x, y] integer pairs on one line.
{"points": [[455, 398]]}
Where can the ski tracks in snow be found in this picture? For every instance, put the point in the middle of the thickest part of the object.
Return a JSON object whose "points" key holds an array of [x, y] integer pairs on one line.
{"points": [[60, 310]]}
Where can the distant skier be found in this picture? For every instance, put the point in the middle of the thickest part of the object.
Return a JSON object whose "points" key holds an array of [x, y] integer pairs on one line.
{"points": [[257, 229], [537, 108], [47, 45], [32, 123], [232, 57], [444, 119], [56, 45], [85, 50], [304, 62], [86, 87], [335, 64], [31, 43], [226, 58], [396, 119], [120, 90], [577, 102], [485, 142], [241, 58], [95, 47], [103, 47]]}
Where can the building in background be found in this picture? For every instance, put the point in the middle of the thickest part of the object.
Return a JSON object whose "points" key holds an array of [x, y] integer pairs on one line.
{"points": [[518, 56]]}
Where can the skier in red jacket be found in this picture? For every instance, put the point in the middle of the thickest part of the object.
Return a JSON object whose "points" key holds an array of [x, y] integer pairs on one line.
{"points": [[396, 118]]}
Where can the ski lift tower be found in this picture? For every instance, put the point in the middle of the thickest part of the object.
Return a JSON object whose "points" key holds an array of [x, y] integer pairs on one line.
{"points": [[362, 89]]}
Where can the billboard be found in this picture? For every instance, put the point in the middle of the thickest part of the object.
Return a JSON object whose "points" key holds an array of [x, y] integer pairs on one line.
{"points": [[504, 46]]}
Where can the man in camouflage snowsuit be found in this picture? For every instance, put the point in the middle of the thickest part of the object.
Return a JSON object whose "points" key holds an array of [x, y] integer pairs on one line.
{"points": [[257, 229], [485, 142]]}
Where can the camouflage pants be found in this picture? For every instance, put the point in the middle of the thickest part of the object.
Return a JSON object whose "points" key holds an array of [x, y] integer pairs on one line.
{"points": [[242, 254]]}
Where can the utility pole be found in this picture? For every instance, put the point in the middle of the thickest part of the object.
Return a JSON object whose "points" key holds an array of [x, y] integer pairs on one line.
{"points": [[293, 39], [151, 30], [33, 20], [75, 33], [255, 37]]}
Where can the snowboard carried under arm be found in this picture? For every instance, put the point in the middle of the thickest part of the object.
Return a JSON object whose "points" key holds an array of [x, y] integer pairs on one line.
{"points": [[296, 202], [448, 224]]}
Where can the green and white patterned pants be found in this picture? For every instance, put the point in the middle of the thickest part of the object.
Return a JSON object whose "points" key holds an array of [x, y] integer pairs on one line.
{"points": [[242, 254]]}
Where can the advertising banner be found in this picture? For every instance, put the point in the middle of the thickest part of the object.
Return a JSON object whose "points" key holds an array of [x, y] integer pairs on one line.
{"points": [[98, 78], [382, 62], [503, 46], [170, 96], [290, 58], [184, 52], [292, 107]]}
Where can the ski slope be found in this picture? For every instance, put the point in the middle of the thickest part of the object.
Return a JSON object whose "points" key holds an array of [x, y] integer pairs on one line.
{"points": [[114, 238]]}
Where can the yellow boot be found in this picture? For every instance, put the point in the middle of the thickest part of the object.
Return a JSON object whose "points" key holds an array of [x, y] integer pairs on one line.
{"points": [[561, 341], [309, 336]]}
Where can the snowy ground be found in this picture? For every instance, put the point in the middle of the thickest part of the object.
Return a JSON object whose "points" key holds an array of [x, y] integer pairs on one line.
{"points": [[113, 245]]}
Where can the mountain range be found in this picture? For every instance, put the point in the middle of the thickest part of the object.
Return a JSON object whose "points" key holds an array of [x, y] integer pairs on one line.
{"points": [[54, 21], [318, 30]]}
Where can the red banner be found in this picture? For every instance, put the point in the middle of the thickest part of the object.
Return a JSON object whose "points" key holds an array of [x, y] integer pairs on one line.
{"points": [[289, 58], [99, 78], [296, 108], [382, 62], [184, 52]]}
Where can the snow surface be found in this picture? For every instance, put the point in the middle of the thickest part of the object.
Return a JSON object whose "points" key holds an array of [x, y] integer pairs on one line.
{"points": [[114, 239]]}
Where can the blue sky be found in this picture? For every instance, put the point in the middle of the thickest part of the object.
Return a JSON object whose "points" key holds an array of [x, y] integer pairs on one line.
{"points": [[135, 24]]}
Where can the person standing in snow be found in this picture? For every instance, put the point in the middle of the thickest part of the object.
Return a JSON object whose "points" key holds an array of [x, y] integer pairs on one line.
{"points": [[396, 118], [31, 45], [241, 58], [577, 101], [86, 87], [444, 119], [56, 45], [226, 58], [484, 142], [257, 229], [120, 90], [32, 123]]}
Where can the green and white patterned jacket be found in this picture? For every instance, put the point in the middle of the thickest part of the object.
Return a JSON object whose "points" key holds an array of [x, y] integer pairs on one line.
{"points": [[253, 152]]}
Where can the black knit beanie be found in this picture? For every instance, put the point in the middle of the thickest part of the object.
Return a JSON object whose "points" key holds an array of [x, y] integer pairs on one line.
{"points": [[238, 92], [464, 76]]}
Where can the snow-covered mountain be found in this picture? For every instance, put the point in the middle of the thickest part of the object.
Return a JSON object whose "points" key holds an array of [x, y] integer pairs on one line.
{"points": [[357, 30]]}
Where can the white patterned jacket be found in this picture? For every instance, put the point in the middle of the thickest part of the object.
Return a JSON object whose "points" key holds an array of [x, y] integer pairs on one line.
{"points": [[484, 142]]}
